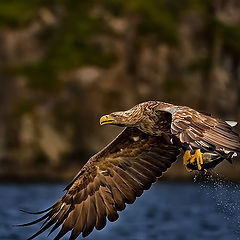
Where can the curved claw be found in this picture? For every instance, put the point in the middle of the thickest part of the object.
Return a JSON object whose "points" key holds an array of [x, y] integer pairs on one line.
{"points": [[186, 160], [197, 157]]}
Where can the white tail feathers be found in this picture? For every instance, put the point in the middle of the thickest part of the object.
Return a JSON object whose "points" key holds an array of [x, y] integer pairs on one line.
{"points": [[232, 123]]}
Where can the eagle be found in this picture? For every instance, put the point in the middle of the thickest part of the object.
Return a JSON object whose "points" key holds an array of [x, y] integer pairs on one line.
{"points": [[155, 134]]}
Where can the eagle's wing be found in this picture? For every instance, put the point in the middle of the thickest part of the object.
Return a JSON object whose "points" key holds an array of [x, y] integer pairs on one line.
{"points": [[202, 131], [114, 176]]}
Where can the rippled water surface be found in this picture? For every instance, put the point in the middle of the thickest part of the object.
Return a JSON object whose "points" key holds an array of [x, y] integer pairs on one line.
{"points": [[167, 211]]}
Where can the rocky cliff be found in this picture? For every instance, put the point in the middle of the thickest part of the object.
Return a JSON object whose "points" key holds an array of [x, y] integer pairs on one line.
{"points": [[65, 63]]}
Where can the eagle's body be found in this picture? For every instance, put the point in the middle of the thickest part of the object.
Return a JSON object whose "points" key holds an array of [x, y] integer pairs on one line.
{"points": [[154, 135]]}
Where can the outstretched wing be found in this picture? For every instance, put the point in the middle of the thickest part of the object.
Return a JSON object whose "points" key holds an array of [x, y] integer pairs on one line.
{"points": [[114, 176], [202, 131]]}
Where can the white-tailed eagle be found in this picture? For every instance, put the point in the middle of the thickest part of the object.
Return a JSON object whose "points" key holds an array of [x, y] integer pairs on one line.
{"points": [[154, 134]]}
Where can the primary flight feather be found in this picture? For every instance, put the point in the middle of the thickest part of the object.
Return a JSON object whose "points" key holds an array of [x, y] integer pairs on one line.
{"points": [[154, 134]]}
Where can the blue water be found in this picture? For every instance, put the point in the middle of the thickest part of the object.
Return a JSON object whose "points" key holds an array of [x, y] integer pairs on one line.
{"points": [[167, 211]]}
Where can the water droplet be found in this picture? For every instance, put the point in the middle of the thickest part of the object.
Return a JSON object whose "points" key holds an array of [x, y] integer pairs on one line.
{"points": [[226, 195]]}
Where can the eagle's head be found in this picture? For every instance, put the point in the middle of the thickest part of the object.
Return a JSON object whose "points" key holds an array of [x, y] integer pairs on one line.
{"points": [[143, 116]]}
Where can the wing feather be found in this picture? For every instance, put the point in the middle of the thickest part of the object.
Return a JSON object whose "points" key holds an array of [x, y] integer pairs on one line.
{"points": [[101, 212], [91, 217], [111, 211], [133, 185], [139, 178], [118, 196], [124, 188]]}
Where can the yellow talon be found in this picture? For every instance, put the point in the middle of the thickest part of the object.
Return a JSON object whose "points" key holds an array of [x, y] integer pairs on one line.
{"points": [[187, 156], [196, 157]]}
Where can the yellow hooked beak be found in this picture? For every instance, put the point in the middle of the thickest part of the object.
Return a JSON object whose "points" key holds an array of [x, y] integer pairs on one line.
{"points": [[106, 119]]}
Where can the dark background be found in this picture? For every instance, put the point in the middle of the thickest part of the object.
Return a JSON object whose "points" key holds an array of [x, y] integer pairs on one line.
{"points": [[65, 63]]}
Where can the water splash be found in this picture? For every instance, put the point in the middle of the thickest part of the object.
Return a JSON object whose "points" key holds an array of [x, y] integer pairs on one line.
{"points": [[225, 193]]}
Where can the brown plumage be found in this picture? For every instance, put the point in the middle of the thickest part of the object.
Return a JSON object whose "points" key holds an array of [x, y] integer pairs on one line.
{"points": [[154, 134]]}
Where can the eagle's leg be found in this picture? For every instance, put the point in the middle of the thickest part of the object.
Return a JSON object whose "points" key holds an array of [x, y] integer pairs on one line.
{"points": [[186, 160], [189, 158]]}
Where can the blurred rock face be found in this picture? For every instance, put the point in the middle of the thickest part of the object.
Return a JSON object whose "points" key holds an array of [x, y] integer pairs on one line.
{"points": [[65, 65]]}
